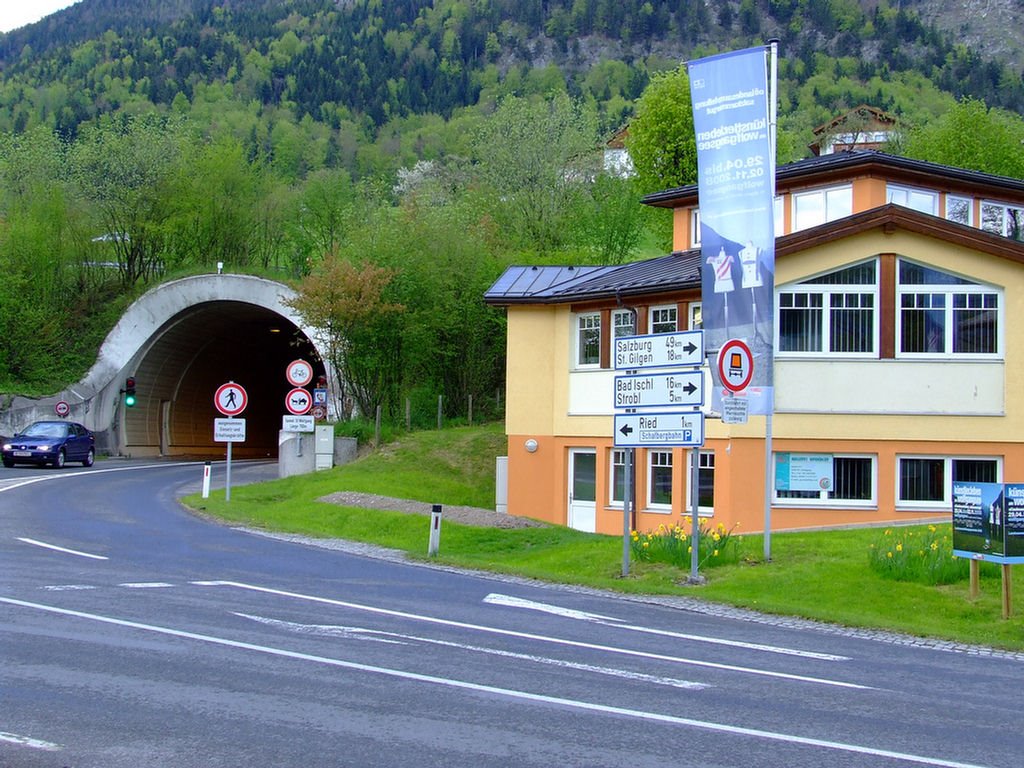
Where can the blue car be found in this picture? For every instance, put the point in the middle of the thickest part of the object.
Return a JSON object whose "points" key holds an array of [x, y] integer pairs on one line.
{"points": [[50, 442]]}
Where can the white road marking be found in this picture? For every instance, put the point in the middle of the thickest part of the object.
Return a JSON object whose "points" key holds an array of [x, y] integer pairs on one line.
{"points": [[90, 473], [68, 587], [506, 692], [530, 636], [518, 602], [26, 741], [331, 630], [146, 585], [66, 551]]}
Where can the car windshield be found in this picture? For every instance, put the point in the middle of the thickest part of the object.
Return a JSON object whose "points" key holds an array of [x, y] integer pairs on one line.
{"points": [[46, 429]]}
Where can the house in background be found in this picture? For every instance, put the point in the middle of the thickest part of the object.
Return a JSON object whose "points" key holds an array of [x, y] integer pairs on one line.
{"points": [[863, 127], [899, 356]]}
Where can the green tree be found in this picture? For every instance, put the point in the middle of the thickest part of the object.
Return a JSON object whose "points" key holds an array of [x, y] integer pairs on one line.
{"points": [[661, 137], [971, 136], [536, 157]]}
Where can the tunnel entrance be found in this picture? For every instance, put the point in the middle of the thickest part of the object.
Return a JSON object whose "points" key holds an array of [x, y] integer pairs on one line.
{"points": [[181, 365]]}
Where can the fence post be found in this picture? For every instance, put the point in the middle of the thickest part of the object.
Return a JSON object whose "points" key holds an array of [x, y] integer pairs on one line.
{"points": [[376, 428], [408, 415], [439, 400], [471, 410]]}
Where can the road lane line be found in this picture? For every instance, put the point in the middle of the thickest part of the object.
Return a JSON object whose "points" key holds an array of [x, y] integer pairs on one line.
{"points": [[362, 633], [26, 741], [146, 585], [517, 602], [511, 693], [66, 551], [530, 636]]}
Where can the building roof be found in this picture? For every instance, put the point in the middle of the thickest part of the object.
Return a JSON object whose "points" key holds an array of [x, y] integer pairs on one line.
{"points": [[846, 164], [676, 271], [680, 270]]}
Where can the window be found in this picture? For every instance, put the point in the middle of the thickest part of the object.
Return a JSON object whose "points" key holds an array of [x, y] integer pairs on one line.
{"points": [[618, 484], [664, 319], [917, 199], [927, 481], [778, 220], [830, 314], [695, 227], [1004, 220], [623, 323], [853, 482], [696, 323], [660, 478], [959, 209], [942, 314], [705, 482], [588, 339], [821, 206]]}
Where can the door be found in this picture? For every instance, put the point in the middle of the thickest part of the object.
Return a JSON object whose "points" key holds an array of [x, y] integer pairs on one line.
{"points": [[583, 489]]}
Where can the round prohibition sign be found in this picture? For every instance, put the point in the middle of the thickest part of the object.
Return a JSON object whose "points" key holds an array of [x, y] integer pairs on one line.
{"points": [[299, 373], [735, 365], [298, 401], [62, 409], [231, 399]]}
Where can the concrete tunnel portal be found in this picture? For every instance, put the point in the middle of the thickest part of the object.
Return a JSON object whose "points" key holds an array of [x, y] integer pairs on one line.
{"points": [[181, 341], [200, 349]]}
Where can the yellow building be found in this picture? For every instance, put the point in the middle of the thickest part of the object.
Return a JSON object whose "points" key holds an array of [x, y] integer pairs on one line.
{"points": [[899, 315]]}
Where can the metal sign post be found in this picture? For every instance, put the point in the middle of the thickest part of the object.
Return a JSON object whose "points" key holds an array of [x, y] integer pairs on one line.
{"points": [[230, 399]]}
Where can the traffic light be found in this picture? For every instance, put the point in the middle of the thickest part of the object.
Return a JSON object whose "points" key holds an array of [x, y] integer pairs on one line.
{"points": [[129, 391]]}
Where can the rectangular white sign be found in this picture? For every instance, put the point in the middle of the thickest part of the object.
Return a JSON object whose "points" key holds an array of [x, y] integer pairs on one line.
{"points": [[229, 430], [735, 410], [290, 423], [641, 430], [659, 350], [685, 388]]}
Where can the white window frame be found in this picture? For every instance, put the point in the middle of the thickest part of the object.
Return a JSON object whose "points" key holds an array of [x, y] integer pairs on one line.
{"points": [[695, 227], [831, 203], [949, 292], [823, 499], [827, 292], [970, 209], [613, 468], [694, 320], [623, 323], [706, 463], [923, 200], [584, 322], [652, 455], [778, 220], [1003, 226], [946, 503], [652, 320]]}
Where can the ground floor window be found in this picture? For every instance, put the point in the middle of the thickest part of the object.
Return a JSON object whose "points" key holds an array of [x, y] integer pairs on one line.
{"points": [[853, 482], [659, 483], [705, 482], [927, 481], [618, 475]]}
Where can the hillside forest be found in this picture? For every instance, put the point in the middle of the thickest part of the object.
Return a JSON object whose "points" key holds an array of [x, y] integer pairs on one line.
{"points": [[389, 159]]}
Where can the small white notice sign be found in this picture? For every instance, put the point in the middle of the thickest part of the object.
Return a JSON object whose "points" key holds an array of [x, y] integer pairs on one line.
{"points": [[229, 430], [290, 423], [735, 410]]}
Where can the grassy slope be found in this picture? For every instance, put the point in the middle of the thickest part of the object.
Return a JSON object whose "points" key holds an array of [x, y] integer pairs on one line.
{"points": [[821, 575]]}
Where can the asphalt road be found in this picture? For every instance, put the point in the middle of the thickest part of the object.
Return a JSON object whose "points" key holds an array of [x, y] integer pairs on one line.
{"points": [[133, 635]]}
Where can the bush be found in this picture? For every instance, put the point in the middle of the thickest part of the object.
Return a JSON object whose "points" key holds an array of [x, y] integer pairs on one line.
{"points": [[923, 555], [673, 545]]}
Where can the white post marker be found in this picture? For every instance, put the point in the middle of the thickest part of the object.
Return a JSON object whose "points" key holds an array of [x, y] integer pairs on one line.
{"points": [[206, 480], [435, 530]]}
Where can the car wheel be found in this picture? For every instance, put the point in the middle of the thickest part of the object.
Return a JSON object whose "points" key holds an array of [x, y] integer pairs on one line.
{"points": [[90, 457], [8, 463], [61, 459]]}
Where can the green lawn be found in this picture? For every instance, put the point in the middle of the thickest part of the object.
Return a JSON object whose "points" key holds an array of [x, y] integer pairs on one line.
{"points": [[820, 575]]}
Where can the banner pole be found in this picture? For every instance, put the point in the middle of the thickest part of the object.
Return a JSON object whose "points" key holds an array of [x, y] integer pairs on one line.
{"points": [[773, 116]]}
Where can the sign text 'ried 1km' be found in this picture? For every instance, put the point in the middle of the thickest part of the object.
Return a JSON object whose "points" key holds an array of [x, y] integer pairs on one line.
{"points": [[643, 430], [659, 350]]}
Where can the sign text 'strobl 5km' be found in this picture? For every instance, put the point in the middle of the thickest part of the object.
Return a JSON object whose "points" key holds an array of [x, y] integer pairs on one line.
{"points": [[659, 350], [641, 430]]}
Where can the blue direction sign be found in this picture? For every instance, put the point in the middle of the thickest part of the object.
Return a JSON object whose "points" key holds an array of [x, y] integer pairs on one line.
{"points": [[655, 390], [644, 430], [659, 350]]}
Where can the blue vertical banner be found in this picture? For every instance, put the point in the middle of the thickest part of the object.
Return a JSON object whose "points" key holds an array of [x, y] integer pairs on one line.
{"points": [[736, 188]]}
